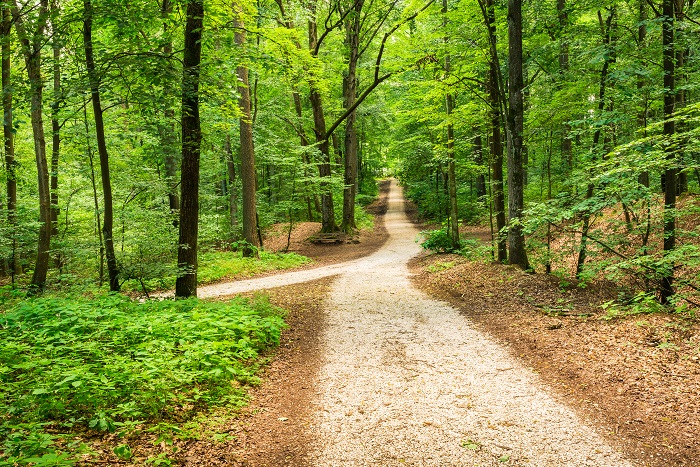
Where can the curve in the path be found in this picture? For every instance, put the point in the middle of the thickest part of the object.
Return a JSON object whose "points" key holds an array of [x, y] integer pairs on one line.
{"points": [[407, 380]]}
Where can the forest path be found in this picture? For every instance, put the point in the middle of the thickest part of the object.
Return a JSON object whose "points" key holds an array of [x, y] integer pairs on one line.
{"points": [[407, 380]]}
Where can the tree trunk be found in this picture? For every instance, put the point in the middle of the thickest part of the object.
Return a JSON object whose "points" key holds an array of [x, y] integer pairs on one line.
{"points": [[324, 166], [248, 175], [31, 49], [186, 284], [352, 42], [305, 159], [642, 82], [302, 134], [563, 16], [453, 224], [669, 62], [108, 219], [495, 97], [96, 203], [516, 237], [680, 93], [8, 135]]}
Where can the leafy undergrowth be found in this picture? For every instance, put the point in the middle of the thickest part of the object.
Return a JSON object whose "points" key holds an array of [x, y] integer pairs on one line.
{"points": [[71, 366], [218, 265]]}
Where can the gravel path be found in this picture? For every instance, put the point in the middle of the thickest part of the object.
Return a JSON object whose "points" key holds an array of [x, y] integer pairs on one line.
{"points": [[408, 381]]}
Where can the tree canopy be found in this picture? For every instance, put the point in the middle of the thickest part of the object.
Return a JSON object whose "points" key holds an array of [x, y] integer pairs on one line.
{"points": [[567, 127]]}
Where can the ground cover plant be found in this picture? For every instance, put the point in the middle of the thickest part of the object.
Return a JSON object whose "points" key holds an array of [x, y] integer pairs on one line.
{"points": [[70, 365], [214, 266]]}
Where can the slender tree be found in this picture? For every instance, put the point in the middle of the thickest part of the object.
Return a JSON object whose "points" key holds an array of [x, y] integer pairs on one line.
{"points": [[8, 135], [248, 174], [107, 204], [670, 175], [563, 17], [352, 43], [167, 130], [186, 284], [453, 223], [31, 42], [324, 165], [516, 237], [55, 123], [496, 101], [606, 28]]}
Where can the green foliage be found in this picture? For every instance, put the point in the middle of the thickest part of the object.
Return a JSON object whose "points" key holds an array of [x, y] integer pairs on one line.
{"points": [[218, 265], [106, 362], [438, 241], [441, 266], [641, 303], [215, 266]]}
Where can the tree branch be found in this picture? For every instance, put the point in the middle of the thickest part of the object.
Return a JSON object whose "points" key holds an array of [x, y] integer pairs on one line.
{"points": [[377, 67]]}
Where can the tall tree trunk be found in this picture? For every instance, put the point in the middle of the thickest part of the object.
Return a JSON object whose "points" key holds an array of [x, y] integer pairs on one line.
{"points": [[352, 42], [55, 131], [324, 166], [516, 237], [305, 159], [96, 203], [669, 62], [31, 43], [8, 135], [495, 101], [680, 94], [248, 174], [453, 224], [300, 128], [186, 284], [108, 219], [167, 128]]}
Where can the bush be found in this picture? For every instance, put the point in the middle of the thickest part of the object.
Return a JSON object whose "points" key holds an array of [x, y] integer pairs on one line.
{"points": [[438, 241]]}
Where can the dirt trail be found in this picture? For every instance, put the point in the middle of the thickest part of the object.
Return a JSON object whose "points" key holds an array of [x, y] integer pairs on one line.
{"points": [[407, 380]]}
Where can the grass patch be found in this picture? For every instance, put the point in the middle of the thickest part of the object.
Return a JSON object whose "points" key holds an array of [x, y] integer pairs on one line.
{"points": [[218, 265], [108, 363]]}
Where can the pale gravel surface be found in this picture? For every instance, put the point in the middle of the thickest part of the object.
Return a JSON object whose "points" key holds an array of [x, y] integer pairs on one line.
{"points": [[407, 380]]}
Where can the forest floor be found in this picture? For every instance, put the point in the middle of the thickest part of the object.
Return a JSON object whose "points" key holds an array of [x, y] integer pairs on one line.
{"points": [[634, 379]]}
